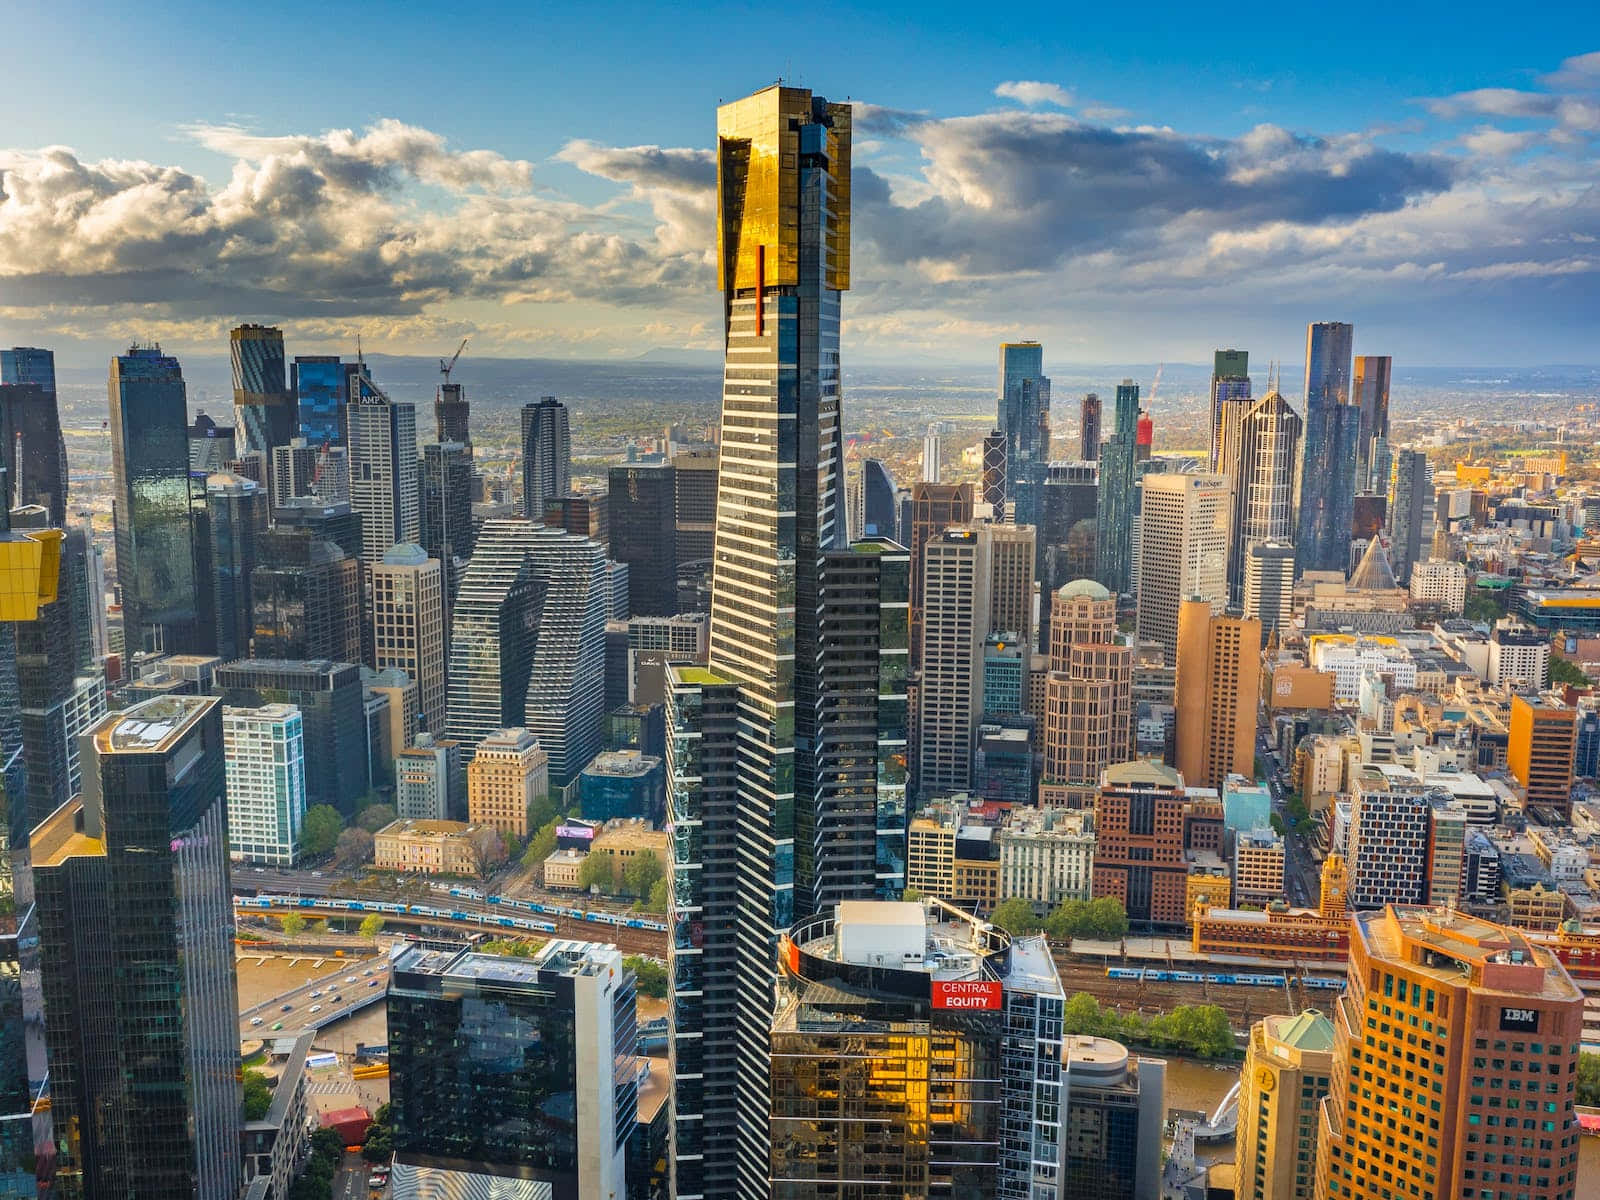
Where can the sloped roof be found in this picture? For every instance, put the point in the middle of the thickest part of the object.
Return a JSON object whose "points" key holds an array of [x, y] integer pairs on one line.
{"points": [[1373, 572]]}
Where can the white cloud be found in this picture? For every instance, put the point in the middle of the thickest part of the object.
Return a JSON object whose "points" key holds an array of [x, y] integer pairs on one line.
{"points": [[1033, 93]]}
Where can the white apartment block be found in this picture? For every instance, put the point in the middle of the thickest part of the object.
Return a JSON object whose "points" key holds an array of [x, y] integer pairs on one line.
{"points": [[266, 778], [1047, 856], [1439, 584], [1257, 867], [1183, 551], [1349, 656]]}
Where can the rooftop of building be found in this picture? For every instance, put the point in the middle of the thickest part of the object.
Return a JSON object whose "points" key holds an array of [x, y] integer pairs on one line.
{"points": [[1454, 948], [151, 727], [57, 838], [561, 957], [417, 827], [926, 936], [1141, 773], [622, 763], [1088, 589], [1309, 1031]]}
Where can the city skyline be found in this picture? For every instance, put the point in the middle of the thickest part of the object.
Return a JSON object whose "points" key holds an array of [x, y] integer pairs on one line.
{"points": [[1150, 171]]}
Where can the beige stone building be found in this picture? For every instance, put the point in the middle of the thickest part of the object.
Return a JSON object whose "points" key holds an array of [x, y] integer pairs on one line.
{"points": [[1286, 1071], [434, 847], [509, 772], [1088, 717]]}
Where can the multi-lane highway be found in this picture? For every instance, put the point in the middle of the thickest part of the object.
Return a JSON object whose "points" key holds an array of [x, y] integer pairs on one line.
{"points": [[359, 983]]}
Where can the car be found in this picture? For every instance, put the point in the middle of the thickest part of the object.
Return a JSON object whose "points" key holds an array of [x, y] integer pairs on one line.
{"points": [[255, 1020], [314, 995], [277, 1026], [368, 971], [349, 978], [374, 982], [338, 999], [316, 1008], [261, 870], [286, 1008]]}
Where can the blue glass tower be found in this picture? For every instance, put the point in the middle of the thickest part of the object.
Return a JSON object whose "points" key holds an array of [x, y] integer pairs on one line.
{"points": [[263, 405], [321, 393], [34, 453], [880, 507], [1024, 421], [1116, 502], [1332, 431]]}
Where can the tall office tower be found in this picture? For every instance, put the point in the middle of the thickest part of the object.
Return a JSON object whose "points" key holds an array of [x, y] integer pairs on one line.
{"points": [[149, 1104], [1332, 429], [1265, 478], [491, 635], [1230, 384], [586, 514], [1115, 509], [296, 470], [32, 420], [1388, 839], [1088, 714], [1281, 1085], [266, 770], [1541, 747], [1408, 511], [210, 445], [880, 502], [694, 481], [948, 1034], [546, 455], [452, 414], [1115, 1112], [152, 505], [1371, 395], [935, 507], [992, 484], [332, 719], [446, 518], [1498, 1022], [1066, 533], [320, 384], [932, 448], [264, 407], [1024, 418], [958, 573], [383, 471], [305, 598], [1089, 428], [485, 1049], [1145, 825], [422, 780], [1183, 551], [644, 527], [1269, 585], [783, 169], [1011, 600], [508, 772], [1218, 688], [408, 625], [236, 517]]}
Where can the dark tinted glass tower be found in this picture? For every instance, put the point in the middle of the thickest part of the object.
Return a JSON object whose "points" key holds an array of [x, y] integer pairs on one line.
{"points": [[784, 258], [305, 597], [880, 501], [135, 919], [236, 516], [1025, 421], [321, 390], [1332, 430], [1371, 387], [447, 510], [34, 454], [1408, 511], [451, 414], [263, 404], [644, 529], [1117, 502], [546, 455], [1089, 429], [1230, 383], [154, 512], [491, 634], [1066, 533]]}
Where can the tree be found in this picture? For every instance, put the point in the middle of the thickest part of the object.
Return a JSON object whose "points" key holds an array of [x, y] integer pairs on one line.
{"points": [[353, 848], [319, 832], [488, 852], [1015, 917], [1083, 1015], [542, 844], [293, 924], [1564, 670], [657, 903], [649, 975], [640, 873], [911, 894], [542, 811], [257, 1095], [1589, 1079], [1106, 919], [375, 816], [371, 925], [595, 871]]}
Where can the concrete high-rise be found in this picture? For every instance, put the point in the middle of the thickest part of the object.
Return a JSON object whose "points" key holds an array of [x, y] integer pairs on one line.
{"points": [[1089, 429], [1285, 1076], [34, 453], [546, 455], [1011, 599], [1146, 825], [1371, 396], [266, 774], [783, 165], [1024, 418], [484, 1048], [1217, 691], [1183, 551], [264, 407], [408, 624], [957, 595], [1269, 585], [1479, 1103], [1265, 477], [1117, 503], [1332, 429], [644, 527], [1408, 511], [153, 505], [148, 1105], [931, 449], [383, 469], [452, 414], [935, 507], [1541, 747], [1088, 717]]}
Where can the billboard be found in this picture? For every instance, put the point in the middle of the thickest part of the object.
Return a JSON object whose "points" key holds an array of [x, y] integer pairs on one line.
{"points": [[983, 995]]}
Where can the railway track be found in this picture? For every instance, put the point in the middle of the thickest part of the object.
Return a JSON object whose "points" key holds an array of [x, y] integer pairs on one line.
{"points": [[1244, 1005]]}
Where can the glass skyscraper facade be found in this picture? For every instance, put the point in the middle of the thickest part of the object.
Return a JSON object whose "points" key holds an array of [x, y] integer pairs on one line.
{"points": [[546, 455], [34, 452], [644, 529], [1371, 395], [1117, 504], [1025, 422], [491, 634], [321, 391], [880, 501], [263, 404], [1332, 431], [141, 1000], [447, 510], [154, 509]]}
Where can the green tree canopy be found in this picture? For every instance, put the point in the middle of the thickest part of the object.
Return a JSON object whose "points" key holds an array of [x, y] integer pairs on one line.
{"points": [[1015, 917], [257, 1095], [641, 872], [650, 975], [595, 871], [541, 845], [293, 924], [371, 925], [657, 903], [320, 830]]}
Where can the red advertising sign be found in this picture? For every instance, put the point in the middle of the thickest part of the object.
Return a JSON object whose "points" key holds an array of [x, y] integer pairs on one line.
{"points": [[983, 995]]}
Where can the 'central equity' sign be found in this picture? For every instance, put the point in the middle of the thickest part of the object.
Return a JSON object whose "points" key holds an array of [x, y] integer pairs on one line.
{"points": [[971, 994]]}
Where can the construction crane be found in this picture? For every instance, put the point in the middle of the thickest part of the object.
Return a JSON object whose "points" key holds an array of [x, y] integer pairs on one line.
{"points": [[446, 367], [1155, 383]]}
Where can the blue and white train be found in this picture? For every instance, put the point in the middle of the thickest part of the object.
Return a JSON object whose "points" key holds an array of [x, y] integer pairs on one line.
{"points": [[1162, 975]]}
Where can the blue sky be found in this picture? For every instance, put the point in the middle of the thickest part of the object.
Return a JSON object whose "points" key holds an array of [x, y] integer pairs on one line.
{"points": [[1125, 182]]}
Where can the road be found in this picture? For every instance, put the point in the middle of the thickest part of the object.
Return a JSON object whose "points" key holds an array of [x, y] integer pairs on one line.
{"points": [[350, 1181], [292, 1009], [1301, 878]]}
